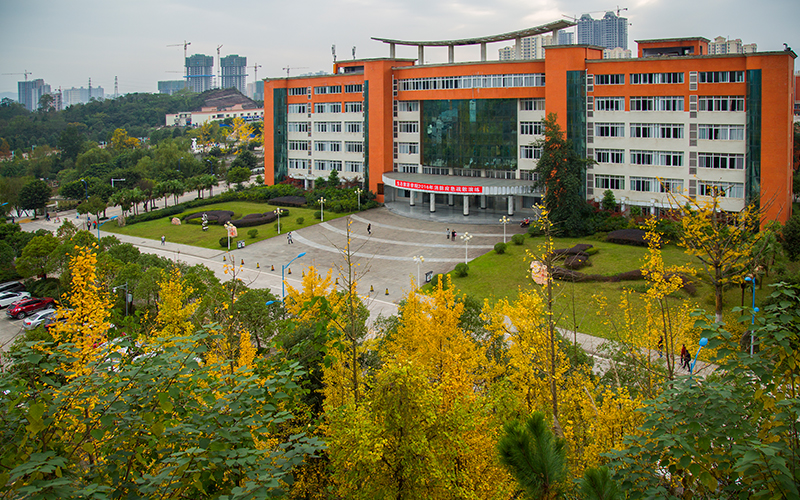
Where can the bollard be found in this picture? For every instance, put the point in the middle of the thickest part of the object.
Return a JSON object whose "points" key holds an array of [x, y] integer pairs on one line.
{"points": [[273, 268], [337, 281], [242, 261], [303, 274], [224, 259], [257, 266], [289, 271], [387, 291], [371, 289]]}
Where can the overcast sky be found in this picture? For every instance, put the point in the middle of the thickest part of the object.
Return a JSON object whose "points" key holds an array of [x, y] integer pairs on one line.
{"points": [[67, 42]]}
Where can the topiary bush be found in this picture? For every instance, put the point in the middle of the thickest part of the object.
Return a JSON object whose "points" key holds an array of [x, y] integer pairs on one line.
{"points": [[252, 233], [500, 248], [534, 230], [462, 270], [223, 242], [436, 279], [518, 239], [300, 221], [627, 237]]}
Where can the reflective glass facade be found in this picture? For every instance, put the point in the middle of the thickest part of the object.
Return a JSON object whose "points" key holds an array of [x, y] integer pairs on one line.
{"points": [[469, 133], [281, 148], [753, 137]]}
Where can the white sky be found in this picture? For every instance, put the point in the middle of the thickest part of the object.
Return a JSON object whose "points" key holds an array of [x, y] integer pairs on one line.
{"points": [[67, 42]]}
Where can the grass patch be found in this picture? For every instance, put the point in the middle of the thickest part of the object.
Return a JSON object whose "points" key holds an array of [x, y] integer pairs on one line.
{"points": [[192, 234]]}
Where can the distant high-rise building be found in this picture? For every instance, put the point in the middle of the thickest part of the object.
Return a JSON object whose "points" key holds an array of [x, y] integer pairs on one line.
{"points": [[199, 71], [255, 90], [532, 47], [721, 45], [610, 32], [30, 93], [234, 72], [169, 87], [566, 38], [81, 95], [617, 53]]}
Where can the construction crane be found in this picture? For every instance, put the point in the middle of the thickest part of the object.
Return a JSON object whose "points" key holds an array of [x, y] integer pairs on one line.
{"points": [[26, 73], [185, 55], [255, 71], [287, 68]]}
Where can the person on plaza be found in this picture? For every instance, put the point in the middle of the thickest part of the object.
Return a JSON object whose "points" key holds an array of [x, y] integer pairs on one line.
{"points": [[289, 238], [95, 224], [369, 228], [163, 240], [448, 233], [685, 357], [47, 216], [453, 235]]}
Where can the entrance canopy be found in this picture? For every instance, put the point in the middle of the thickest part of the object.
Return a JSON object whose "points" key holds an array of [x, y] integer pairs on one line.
{"points": [[443, 184]]}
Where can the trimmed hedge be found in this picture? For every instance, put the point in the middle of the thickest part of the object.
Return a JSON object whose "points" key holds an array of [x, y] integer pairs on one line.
{"points": [[518, 239], [251, 220], [219, 217], [500, 248], [156, 214], [633, 237], [462, 270]]}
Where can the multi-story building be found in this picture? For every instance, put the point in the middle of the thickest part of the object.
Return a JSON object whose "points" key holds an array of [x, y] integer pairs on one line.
{"points": [[532, 47], [255, 90], [797, 98], [673, 121], [199, 72], [30, 92], [234, 72], [721, 45], [610, 32], [617, 53], [169, 87], [81, 95]]}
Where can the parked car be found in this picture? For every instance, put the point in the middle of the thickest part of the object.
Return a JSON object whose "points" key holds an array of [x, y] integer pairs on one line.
{"points": [[8, 298], [38, 318], [11, 286], [29, 306]]}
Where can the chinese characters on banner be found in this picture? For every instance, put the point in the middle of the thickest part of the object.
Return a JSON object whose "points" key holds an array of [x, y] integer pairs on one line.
{"points": [[439, 188]]}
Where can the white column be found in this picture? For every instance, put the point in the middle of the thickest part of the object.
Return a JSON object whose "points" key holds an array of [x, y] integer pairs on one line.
{"points": [[450, 201], [421, 54], [518, 48], [433, 202], [466, 204], [483, 51], [451, 54], [510, 205], [483, 202], [391, 50], [411, 197]]}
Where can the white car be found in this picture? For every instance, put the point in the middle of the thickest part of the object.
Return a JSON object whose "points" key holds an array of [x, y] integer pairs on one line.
{"points": [[8, 298], [38, 318]]}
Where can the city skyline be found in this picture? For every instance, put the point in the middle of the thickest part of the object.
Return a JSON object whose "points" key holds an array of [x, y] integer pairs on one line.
{"points": [[129, 40]]}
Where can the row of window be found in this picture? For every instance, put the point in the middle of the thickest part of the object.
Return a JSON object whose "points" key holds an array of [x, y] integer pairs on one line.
{"points": [[654, 185], [713, 132], [732, 161], [530, 152], [669, 103], [677, 77], [349, 166], [408, 148], [336, 146], [326, 107], [657, 130], [531, 104], [720, 103], [408, 127], [531, 128], [721, 132], [472, 82], [332, 89]]}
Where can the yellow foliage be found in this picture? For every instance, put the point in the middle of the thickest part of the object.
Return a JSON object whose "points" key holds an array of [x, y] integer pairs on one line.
{"points": [[241, 130], [121, 140], [174, 311]]}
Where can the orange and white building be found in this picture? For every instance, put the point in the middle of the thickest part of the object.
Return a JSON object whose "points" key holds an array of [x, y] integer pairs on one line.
{"points": [[674, 119]]}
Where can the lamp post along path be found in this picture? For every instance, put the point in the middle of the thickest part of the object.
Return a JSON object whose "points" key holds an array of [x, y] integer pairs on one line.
{"points": [[322, 209], [419, 259], [504, 221], [283, 276], [466, 237], [358, 197]]}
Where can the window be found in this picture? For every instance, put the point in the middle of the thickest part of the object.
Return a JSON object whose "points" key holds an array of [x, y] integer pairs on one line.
{"points": [[408, 148], [721, 103], [609, 155], [655, 78], [643, 184], [298, 91], [671, 185], [354, 166], [602, 181], [406, 168], [609, 103], [435, 171], [328, 107], [660, 158], [353, 127], [300, 164], [466, 172], [720, 132], [324, 127], [609, 79], [530, 152], [721, 160], [329, 89], [328, 165], [531, 104], [721, 76], [297, 126], [669, 131], [333, 146], [644, 130], [352, 107], [472, 82], [354, 147], [298, 145], [408, 127], [609, 129], [501, 174], [353, 88], [642, 157], [408, 106], [722, 189], [531, 128], [297, 108]]}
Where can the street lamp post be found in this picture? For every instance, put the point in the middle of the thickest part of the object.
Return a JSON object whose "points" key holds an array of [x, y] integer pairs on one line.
{"points": [[283, 279], [358, 196], [419, 259], [117, 180], [125, 286], [703, 342], [98, 226], [322, 209], [751, 280], [466, 237], [504, 221], [278, 212]]}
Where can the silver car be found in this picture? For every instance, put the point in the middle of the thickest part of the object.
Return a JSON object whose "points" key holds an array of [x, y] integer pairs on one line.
{"points": [[38, 318], [8, 298]]}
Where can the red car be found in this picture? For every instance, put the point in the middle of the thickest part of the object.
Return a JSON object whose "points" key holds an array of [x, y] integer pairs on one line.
{"points": [[25, 307]]}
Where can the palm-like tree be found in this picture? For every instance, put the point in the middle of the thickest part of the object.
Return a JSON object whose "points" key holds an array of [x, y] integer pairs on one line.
{"points": [[598, 485], [535, 457]]}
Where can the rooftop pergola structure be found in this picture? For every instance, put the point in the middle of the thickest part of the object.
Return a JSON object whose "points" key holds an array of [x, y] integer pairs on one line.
{"points": [[517, 36]]}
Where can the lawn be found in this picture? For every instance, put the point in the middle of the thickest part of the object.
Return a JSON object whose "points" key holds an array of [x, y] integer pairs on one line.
{"points": [[493, 276], [192, 234]]}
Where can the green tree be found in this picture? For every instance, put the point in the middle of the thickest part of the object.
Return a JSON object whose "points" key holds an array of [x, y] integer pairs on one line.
{"points": [[34, 196], [561, 172], [70, 141], [94, 205], [791, 237], [609, 202], [36, 258], [245, 159], [237, 175]]}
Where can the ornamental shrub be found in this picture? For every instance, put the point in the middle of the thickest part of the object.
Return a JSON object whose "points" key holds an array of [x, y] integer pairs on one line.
{"points": [[223, 242], [500, 248], [518, 239], [252, 233], [300, 221], [462, 270]]}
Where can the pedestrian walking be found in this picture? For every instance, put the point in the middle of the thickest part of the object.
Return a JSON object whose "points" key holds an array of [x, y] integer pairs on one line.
{"points": [[453, 235], [47, 216], [369, 228], [448, 233], [95, 224], [163, 240], [685, 357], [289, 238]]}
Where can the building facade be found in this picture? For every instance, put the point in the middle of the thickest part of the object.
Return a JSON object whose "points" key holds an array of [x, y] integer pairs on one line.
{"points": [[199, 72], [169, 87], [466, 133], [234, 72], [81, 95], [609, 32], [532, 47], [721, 45], [30, 92]]}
